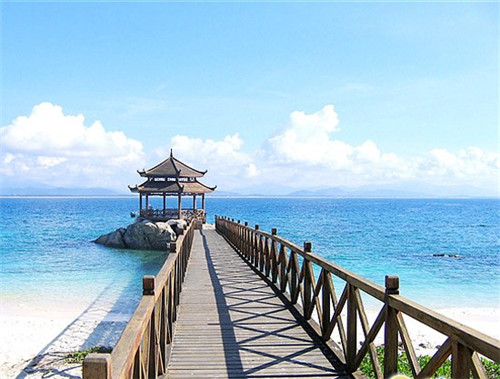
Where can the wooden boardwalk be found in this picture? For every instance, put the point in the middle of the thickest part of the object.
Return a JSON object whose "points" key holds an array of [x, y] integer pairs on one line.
{"points": [[231, 324], [234, 320]]}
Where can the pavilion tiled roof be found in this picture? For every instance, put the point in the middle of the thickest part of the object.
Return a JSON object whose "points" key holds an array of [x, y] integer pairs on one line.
{"points": [[172, 187], [172, 167]]}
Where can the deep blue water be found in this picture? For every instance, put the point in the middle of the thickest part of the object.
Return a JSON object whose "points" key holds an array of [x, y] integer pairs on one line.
{"points": [[46, 248]]}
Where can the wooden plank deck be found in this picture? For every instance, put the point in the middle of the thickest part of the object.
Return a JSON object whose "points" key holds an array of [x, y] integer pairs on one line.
{"points": [[233, 325]]}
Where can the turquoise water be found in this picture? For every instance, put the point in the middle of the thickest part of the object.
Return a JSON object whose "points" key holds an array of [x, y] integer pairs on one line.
{"points": [[47, 253]]}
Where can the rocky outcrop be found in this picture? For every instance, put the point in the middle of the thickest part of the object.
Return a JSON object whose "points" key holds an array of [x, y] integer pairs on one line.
{"points": [[113, 239], [144, 235], [177, 225]]}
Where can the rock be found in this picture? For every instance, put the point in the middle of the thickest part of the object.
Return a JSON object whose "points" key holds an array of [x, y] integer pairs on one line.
{"points": [[148, 235], [142, 235], [113, 239], [446, 255], [177, 225]]}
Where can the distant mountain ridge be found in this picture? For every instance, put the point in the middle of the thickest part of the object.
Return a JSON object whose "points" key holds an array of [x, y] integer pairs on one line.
{"points": [[366, 191], [335, 192], [339, 192], [58, 191]]}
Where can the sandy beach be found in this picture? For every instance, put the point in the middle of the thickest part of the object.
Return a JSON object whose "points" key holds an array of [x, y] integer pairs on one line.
{"points": [[34, 345], [35, 341]]}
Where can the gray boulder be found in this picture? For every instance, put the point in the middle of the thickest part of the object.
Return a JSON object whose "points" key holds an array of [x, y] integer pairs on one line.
{"points": [[177, 225], [142, 235], [148, 235], [113, 239]]}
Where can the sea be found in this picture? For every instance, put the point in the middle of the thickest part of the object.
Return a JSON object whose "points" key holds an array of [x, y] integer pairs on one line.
{"points": [[446, 252]]}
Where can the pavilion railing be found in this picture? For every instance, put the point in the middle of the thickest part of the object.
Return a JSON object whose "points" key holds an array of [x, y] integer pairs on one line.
{"points": [[289, 268], [164, 214], [144, 346]]}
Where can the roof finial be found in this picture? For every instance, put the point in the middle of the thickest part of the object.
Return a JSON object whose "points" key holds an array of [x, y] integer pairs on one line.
{"points": [[171, 153]]}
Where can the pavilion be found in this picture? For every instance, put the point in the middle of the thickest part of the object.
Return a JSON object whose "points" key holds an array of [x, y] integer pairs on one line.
{"points": [[172, 178]]}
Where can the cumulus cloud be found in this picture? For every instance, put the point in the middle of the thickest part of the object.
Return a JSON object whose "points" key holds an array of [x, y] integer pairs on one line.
{"points": [[54, 147], [224, 158], [306, 140], [471, 165], [304, 154]]}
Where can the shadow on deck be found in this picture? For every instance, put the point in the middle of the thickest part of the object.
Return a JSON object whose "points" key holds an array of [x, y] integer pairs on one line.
{"points": [[232, 324]]}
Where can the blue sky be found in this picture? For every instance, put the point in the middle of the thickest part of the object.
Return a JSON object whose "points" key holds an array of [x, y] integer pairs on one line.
{"points": [[414, 90]]}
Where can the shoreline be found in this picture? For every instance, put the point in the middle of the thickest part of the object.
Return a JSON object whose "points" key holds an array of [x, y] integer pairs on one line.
{"points": [[35, 341], [34, 345]]}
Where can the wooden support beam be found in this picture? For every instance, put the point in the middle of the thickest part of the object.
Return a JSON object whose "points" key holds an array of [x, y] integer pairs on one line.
{"points": [[352, 323], [179, 206], [460, 360], [391, 330]]}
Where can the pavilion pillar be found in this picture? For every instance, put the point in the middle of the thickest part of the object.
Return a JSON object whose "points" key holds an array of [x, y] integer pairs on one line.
{"points": [[203, 207], [164, 203], [140, 203], [179, 206], [147, 201], [194, 203]]}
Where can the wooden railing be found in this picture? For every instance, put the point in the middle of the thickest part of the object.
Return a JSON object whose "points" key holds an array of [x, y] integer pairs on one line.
{"points": [[290, 270], [144, 346], [165, 214]]}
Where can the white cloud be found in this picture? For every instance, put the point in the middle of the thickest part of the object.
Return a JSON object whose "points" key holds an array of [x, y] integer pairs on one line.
{"points": [[471, 165], [224, 160], [60, 149], [47, 162], [53, 148], [303, 155], [306, 139]]}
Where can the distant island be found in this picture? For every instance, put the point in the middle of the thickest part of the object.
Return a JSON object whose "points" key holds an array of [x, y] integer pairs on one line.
{"points": [[59, 191], [330, 192]]}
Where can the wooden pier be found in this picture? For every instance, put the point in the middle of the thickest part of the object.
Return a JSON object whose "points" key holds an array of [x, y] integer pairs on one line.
{"points": [[251, 307], [231, 323]]}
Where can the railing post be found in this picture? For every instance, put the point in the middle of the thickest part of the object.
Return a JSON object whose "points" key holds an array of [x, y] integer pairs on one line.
{"points": [[274, 258], [308, 291], [307, 247], [173, 247], [148, 285], [262, 254], [460, 360], [97, 366], [267, 256], [391, 329], [255, 252], [282, 263], [352, 324], [246, 241], [326, 302]]}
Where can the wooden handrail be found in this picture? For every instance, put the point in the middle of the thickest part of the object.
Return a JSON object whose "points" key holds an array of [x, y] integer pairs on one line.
{"points": [[277, 259], [186, 213], [144, 346]]}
